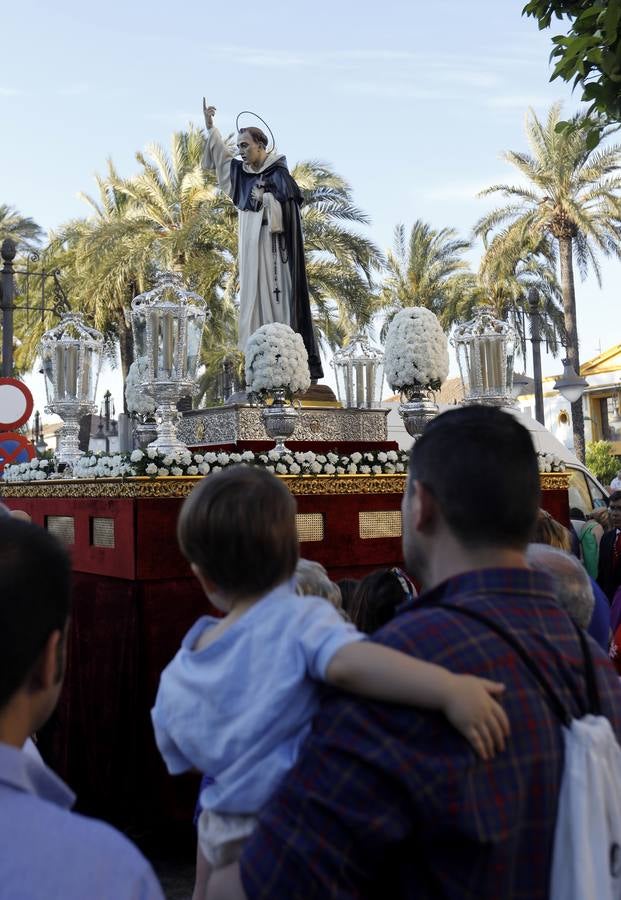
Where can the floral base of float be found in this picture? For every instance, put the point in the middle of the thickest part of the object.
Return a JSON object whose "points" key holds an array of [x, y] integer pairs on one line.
{"points": [[153, 464]]}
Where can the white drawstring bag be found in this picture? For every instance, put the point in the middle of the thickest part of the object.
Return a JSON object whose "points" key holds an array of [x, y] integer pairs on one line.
{"points": [[586, 861], [586, 858]]}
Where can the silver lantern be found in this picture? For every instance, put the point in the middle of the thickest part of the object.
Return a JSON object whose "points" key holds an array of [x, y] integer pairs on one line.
{"points": [[358, 369], [71, 356], [167, 324], [485, 348]]}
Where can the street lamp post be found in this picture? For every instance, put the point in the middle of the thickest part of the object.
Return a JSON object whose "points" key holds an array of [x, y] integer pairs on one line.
{"points": [[569, 384], [7, 285], [535, 337], [8, 295]]}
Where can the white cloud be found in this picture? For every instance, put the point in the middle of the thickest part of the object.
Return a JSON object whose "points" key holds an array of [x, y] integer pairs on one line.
{"points": [[10, 92], [518, 101], [73, 90], [176, 118], [462, 190], [393, 89]]}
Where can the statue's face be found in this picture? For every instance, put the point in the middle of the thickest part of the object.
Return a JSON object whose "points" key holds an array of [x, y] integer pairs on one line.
{"points": [[250, 151]]}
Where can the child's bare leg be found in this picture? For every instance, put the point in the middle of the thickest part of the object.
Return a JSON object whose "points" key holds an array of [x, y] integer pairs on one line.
{"points": [[203, 871]]}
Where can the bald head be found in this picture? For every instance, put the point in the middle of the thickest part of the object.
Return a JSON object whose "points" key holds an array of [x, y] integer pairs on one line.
{"points": [[574, 591]]}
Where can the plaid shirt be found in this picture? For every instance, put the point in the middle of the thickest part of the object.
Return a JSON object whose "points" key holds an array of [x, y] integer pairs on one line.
{"points": [[388, 801]]}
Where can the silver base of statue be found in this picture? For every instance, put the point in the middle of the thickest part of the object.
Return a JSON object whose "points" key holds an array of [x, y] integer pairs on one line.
{"points": [[279, 420], [417, 411], [229, 424]]}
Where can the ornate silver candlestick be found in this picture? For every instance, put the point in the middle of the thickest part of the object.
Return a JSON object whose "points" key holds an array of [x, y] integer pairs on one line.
{"points": [[167, 324], [71, 356]]}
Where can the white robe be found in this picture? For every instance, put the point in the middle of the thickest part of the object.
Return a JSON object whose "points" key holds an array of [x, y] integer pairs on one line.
{"points": [[257, 302]]}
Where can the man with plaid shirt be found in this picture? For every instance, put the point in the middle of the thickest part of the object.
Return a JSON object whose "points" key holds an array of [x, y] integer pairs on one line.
{"points": [[392, 802]]}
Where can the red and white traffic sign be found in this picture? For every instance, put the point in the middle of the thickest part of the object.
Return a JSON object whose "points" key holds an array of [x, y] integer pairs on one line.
{"points": [[14, 448], [15, 403]]}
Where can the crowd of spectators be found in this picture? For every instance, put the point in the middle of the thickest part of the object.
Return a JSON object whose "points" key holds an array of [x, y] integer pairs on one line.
{"points": [[371, 738]]}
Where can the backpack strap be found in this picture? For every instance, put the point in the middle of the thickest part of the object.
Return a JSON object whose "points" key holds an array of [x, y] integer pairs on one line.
{"points": [[595, 704], [559, 709]]}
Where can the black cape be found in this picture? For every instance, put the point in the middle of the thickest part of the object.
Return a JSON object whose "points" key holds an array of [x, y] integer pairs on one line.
{"points": [[278, 181]]}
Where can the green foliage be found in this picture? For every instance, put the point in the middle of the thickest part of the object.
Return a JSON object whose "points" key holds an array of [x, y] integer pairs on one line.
{"points": [[601, 461], [426, 268], [171, 215], [589, 54], [572, 197], [23, 230], [510, 267]]}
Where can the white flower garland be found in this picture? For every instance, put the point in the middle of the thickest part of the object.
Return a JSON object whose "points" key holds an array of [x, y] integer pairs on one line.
{"points": [[276, 358], [159, 465], [154, 464], [416, 350], [136, 396]]}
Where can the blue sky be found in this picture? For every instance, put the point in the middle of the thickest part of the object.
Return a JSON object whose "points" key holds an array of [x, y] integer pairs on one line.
{"points": [[412, 102]]}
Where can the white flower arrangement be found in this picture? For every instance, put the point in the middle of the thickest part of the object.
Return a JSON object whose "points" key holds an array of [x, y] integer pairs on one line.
{"points": [[138, 400], [276, 359], [416, 351], [153, 464], [158, 465], [549, 462]]}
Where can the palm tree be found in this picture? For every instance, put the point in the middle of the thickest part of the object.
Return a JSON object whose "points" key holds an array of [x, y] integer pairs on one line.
{"points": [[23, 230], [428, 269], [503, 283], [340, 262], [573, 197], [168, 216]]}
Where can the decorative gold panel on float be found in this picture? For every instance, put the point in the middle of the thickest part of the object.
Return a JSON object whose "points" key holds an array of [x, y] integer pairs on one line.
{"points": [[173, 486], [62, 527], [381, 524], [310, 526], [102, 532], [181, 486]]}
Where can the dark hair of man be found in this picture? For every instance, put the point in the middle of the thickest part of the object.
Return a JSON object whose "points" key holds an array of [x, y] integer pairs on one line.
{"points": [[258, 136], [238, 526], [480, 465], [614, 497], [35, 587], [577, 514]]}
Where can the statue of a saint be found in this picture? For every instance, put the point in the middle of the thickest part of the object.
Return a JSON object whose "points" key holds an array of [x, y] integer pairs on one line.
{"points": [[272, 270]]}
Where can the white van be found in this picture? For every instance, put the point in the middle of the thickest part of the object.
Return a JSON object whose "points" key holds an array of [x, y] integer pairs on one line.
{"points": [[585, 491]]}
